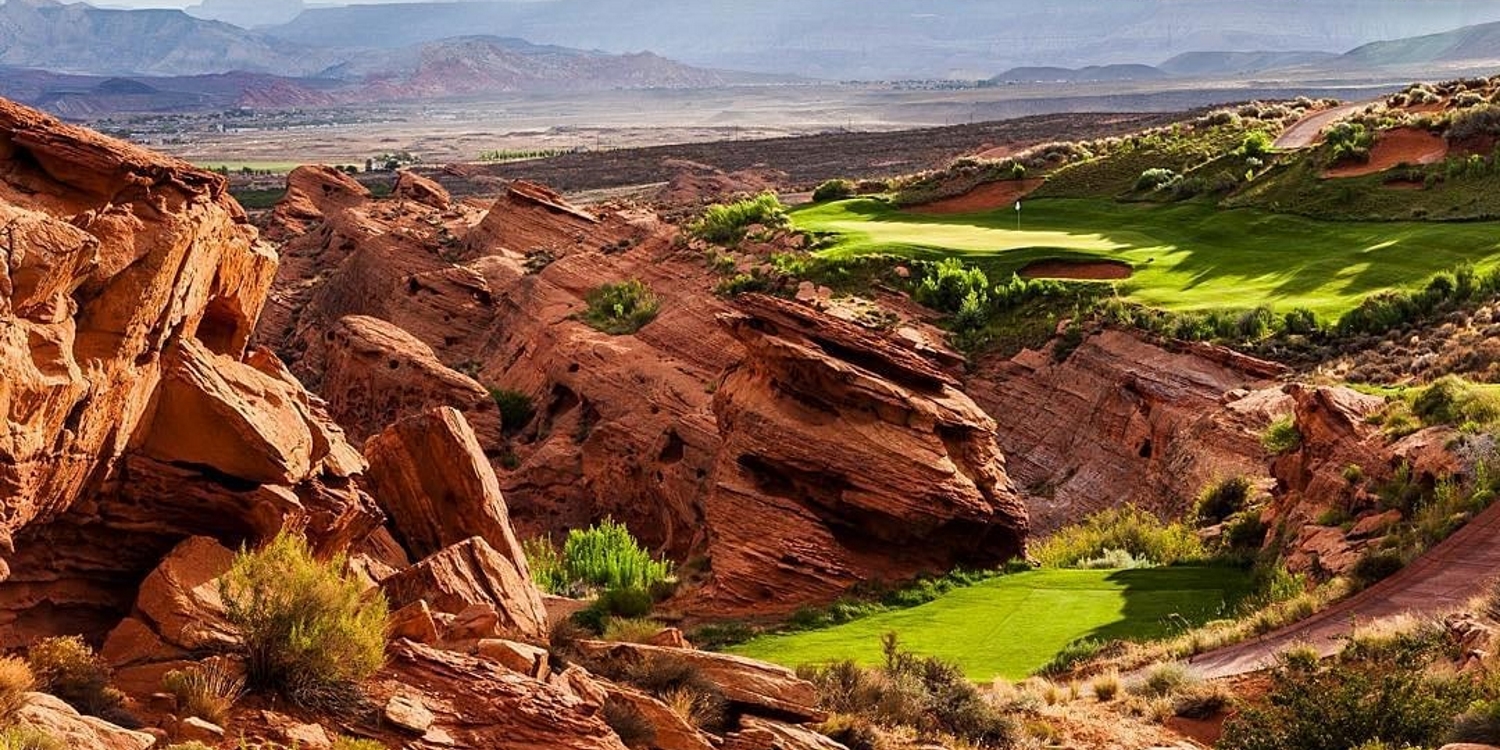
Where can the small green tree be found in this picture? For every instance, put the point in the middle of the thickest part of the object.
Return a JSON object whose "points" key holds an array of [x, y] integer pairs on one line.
{"points": [[833, 190], [622, 309]]}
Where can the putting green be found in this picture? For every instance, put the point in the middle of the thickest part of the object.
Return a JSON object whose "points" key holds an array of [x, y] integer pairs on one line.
{"points": [[1185, 256], [1012, 625]]}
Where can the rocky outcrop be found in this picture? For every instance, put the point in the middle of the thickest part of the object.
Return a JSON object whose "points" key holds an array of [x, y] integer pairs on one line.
{"points": [[477, 703], [414, 187], [134, 416], [469, 574], [845, 454], [755, 687], [759, 734], [531, 218], [375, 374], [429, 474], [1121, 419]]}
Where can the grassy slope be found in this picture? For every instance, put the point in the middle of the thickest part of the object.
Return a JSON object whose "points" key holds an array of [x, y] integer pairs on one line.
{"points": [[1187, 256], [1012, 625]]}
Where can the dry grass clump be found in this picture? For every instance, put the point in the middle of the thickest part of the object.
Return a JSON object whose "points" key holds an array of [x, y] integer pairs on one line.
{"points": [[23, 737], [1106, 686], [207, 691], [68, 668], [630, 629], [16, 681]]}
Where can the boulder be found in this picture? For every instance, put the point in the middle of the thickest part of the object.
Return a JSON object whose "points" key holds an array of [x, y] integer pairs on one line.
{"points": [[408, 713], [478, 703], [59, 721], [430, 476], [414, 623], [760, 734], [194, 729], [672, 732], [753, 686], [414, 187], [472, 573], [531, 661]]}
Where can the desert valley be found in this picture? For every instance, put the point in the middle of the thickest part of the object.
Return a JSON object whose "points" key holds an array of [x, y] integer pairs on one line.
{"points": [[591, 375]]}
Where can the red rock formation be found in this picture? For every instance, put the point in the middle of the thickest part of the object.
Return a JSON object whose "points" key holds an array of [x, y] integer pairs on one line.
{"points": [[478, 703], [1124, 420], [133, 416], [412, 186], [469, 574], [845, 456]]}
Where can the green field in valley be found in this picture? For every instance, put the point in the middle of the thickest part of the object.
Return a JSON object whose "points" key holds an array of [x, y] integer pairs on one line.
{"points": [[1012, 625], [1186, 256]]}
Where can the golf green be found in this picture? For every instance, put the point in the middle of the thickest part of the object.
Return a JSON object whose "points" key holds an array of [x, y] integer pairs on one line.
{"points": [[1012, 625], [1184, 256]]}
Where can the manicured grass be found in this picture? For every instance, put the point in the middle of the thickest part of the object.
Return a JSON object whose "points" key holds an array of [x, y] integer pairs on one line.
{"points": [[276, 167], [1188, 256], [1012, 625]]}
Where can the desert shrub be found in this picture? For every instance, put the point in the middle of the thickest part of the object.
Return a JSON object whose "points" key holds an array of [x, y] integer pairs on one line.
{"points": [[627, 721], [548, 571], [1474, 123], [1376, 565], [1300, 321], [1344, 703], [67, 668], [726, 224], [1256, 145], [350, 743], [1163, 680], [607, 556], [1479, 725], [1244, 530], [679, 681], [207, 691], [1128, 528], [1349, 142], [1156, 179], [1282, 436], [926, 694], [696, 707], [1105, 686], [948, 283], [610, 604], [1075, 653], [853, 732], [621, 309], [1115, 559], [1202, 701], [719, 635], [310, 631], [630, 629], [29, 738], [16, 681], [516, 408], [833, 190], [192, 745], [1223, 499], [1450, 400]]}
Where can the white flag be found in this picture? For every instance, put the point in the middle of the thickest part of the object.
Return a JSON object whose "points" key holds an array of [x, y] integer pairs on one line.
{"points": [[1018, 205]]}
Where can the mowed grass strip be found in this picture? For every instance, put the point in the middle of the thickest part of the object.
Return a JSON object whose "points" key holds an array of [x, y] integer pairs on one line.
{"points": [[1185, 256], [1012, 625]]}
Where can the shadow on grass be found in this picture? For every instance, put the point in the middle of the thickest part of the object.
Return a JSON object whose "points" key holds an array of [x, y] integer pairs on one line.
{"points": [[1162, 602]]}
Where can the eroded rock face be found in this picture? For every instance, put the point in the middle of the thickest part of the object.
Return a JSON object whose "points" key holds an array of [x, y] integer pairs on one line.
{"points": [[845, 453], [1125, 420], [133, 415], [473, 573]]}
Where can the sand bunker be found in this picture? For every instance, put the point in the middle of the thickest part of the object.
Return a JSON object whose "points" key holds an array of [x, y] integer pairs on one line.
{"points": [[1395, 147], [1081, 270], [986, 197]]}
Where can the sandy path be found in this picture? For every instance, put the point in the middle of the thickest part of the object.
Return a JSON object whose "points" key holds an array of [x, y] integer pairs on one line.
{"points": [[1460, 568], [1305, 131], [1102, 270], [1396, 147]]}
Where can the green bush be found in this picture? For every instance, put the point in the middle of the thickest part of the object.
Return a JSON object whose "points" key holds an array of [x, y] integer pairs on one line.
{"points": [[310, 631], [548, 571], [516, 409], [1451, 400], [1473, 123], [948, 283], [1128, 528], [1156, 179], [1349, 142], [1376, 565], [1223, 499], [69, 669], [607, 556], [1345, 703], [1282, 436], [726, 224], [621, 309], [833, 190], [1257, 145], [350, 743]]}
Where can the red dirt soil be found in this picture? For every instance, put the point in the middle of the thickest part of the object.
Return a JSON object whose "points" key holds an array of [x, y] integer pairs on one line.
{"points": [[1401, 146], [986, 197], [1101, 270]]}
